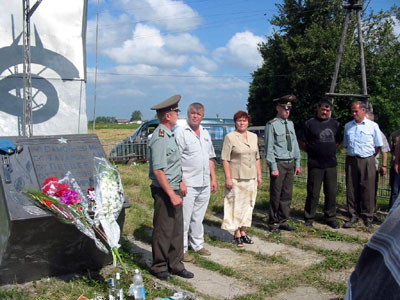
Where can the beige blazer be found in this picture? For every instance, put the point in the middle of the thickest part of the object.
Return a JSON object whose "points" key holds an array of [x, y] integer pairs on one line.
{"points": [[241, 154]]}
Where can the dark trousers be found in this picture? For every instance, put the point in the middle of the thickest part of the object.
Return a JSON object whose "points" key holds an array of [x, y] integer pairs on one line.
{"points": [[360, 181], [280, 191], [394, 186], [315, 178], [167, 241]]}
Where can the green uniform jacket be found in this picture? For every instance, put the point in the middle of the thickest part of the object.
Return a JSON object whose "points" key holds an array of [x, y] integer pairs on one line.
{"points": [[276, 144], [165, 155]]}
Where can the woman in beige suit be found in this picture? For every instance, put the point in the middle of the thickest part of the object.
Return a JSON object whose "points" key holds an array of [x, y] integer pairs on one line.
{"points": [[242, 167]]}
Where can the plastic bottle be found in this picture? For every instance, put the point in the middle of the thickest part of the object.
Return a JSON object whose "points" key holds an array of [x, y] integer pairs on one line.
{"points": [[138, 286], [112, 292], [118, 287]]}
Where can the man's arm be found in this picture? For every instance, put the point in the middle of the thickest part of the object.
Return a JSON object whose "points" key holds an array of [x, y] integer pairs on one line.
{"points": [[214, 185], [397, 158], [269, 150], [162, 180]]}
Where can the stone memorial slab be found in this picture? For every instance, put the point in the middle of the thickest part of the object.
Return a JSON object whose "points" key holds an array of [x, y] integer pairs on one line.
{"points": [[33, 243]]}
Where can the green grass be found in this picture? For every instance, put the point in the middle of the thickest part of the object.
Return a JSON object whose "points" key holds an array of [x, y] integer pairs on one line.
{"points": [[112, 126], [138, 223]]}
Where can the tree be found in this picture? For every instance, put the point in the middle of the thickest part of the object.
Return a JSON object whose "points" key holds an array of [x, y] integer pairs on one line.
{"points": [[106, 120], [299, 58], [136, 116]]}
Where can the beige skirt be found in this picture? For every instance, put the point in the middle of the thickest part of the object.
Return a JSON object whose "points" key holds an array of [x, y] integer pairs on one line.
{"points": [[239, 204]]}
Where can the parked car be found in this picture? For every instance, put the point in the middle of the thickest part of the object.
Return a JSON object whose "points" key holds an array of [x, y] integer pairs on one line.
{"points": [[135, 146], [260, 131]]}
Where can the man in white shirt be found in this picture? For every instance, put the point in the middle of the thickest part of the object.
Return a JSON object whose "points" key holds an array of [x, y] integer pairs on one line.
{"points": [[363, 140], [199, 180]]}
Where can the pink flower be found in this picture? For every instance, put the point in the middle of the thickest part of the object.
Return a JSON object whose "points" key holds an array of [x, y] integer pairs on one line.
{"points": [[70, 197]]}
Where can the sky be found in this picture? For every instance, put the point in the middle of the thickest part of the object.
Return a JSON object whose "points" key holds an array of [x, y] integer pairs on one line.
{"points": [[150, 50]]}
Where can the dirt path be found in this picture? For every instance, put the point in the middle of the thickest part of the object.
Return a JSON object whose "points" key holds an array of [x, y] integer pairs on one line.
{"points": [[258, 267]]}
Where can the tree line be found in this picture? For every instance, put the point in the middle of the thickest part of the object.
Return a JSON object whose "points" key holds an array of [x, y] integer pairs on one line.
{"points": [[299, 58]]}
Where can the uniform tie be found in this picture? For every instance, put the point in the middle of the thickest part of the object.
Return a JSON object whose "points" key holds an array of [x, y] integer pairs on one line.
{"points": [[288, 139]]}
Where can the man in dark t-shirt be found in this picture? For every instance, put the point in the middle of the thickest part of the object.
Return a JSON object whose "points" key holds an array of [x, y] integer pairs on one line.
{"points": [[320, 138]]}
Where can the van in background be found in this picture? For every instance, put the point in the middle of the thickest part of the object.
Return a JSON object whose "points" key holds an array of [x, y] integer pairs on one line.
{"points": [[134, 148]]}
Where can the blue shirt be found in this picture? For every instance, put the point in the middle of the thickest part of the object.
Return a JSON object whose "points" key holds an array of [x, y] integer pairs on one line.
{"points": [[361, 138]]}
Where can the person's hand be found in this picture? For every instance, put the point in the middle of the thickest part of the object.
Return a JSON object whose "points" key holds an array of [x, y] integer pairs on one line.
{"points": [[383, 171], [214, 186], [183, 188], [176, 200], [275, 173], [228, 183], [297, 171], [396, 168], [259, 181]]}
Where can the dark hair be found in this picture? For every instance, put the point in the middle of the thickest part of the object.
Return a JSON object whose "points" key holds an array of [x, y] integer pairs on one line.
{"points": [[241, 114], [325, 102]]}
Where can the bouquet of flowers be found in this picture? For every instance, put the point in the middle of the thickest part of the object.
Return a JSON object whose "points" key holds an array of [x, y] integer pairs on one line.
{"points": [[65, 199], [109, 198]]}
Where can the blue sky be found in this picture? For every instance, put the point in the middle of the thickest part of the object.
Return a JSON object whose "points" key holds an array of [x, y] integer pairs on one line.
{"points": [[204, 50]]}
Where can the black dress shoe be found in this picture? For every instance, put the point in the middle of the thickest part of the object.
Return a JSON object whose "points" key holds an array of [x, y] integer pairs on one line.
{"points": [[163, 275], [350, 224], [333, 224], [286, 227], [368, 224], [184, 274], [308, 223]]}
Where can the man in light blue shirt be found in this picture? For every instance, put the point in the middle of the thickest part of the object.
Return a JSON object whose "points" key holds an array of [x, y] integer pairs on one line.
{"points": [[363, 140]]}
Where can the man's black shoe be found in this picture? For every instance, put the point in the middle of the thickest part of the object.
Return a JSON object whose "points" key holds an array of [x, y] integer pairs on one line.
{"points": [[286, 227], [350, 224], [164, 275], [368, 224], [333, 224], [308, 223], [184, 273]]}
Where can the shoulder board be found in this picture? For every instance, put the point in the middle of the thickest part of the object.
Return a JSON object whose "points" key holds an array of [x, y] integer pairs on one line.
{"points": [[272, 121], [161, 133]]}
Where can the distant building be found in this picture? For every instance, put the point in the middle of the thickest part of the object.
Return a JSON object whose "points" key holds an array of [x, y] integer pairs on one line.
{"points": [[122, 121]]}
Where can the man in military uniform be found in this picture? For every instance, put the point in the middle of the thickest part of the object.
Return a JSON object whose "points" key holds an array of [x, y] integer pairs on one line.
{"points": [[166, 175], [283, 159]]}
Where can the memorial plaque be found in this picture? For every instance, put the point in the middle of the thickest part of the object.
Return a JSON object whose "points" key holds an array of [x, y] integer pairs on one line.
{"points": [[34, 243]]}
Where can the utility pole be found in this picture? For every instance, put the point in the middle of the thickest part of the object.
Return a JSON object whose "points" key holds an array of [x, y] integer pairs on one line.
{"points": [[27, 123], [350, 5]]}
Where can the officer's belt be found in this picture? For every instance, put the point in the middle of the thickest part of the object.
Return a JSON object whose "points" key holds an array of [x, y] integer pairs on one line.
{"points": [[286, 160], [357, 156]]}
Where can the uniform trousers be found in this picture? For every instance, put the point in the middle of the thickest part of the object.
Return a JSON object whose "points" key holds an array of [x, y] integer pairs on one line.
{"points": [[167, 240], [194, 208], [360, 182], [280, 191], [315, 178]]}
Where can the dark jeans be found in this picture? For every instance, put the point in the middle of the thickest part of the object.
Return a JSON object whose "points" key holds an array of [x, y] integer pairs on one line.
{"points": [[315, 178], [167, 241], [280, 190], [360, 181], [394, 185]]}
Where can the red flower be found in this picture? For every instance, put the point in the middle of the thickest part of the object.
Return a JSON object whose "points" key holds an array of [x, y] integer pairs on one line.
{"points": [[52, 187]]}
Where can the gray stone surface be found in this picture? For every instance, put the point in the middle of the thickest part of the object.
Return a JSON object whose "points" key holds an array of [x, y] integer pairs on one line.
{"points": [[331, 245], [304, 293]]}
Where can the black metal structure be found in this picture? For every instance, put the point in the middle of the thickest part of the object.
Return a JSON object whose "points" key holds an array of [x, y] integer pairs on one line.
{"points": [[34, 243], [350, 6]]}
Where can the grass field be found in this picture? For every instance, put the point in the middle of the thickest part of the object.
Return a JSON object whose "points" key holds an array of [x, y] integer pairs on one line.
{"points": [[138, 223]]}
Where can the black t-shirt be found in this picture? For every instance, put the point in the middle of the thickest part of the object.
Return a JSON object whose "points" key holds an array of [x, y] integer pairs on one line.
{"points": [[321, 137]]}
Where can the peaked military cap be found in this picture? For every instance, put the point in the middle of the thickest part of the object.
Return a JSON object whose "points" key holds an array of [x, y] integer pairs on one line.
{"points": [[167, 105], [285, 101]]}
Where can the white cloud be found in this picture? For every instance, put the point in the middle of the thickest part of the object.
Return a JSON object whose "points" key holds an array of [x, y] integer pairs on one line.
{"points": [[184, 44], [146, 46], [173, 15], [241, 52], [112, 31], [204, 63], [396, 28]]}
